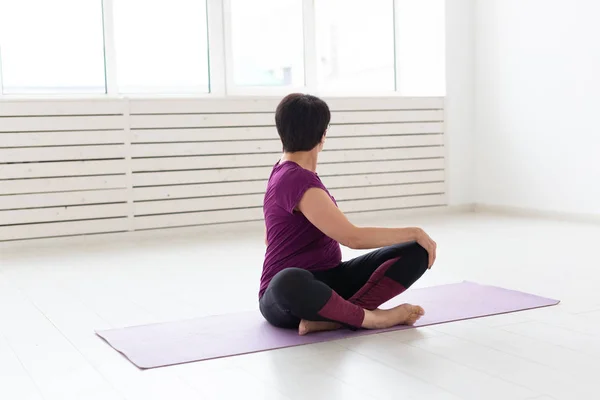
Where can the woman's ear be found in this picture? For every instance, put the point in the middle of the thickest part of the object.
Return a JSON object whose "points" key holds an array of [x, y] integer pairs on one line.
{"points": [[322, 143]]}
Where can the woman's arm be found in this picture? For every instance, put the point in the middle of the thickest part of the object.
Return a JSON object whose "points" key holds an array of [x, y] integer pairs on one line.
{"points": [[320, 210]]}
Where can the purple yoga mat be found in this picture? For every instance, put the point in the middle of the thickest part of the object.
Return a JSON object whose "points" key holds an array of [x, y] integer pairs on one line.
{"points": [[159, 345]]}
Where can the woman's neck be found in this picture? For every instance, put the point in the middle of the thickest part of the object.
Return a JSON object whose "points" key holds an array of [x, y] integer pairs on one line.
{"points": [[305, 159]]}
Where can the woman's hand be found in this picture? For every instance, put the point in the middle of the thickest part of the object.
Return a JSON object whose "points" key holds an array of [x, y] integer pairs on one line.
{"points": [[427, 243]]}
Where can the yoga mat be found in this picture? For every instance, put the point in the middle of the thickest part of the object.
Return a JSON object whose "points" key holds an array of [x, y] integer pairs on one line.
{"points": [[204, 338]]}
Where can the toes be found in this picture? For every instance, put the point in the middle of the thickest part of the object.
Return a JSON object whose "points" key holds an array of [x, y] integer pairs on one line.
{"points": [[416, 314], [302, 328], [418, 310]]}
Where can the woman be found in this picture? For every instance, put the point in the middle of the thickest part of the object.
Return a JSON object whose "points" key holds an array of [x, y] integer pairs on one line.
{"points": [[304, 284]]}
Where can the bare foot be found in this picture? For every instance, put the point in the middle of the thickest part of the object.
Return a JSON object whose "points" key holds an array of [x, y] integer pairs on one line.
{"points": [[316, 326], [416, 312], [405, 314]]}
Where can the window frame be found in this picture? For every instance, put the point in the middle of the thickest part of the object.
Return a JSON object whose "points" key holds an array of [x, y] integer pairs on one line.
{"points": [[110, 52], [68, 95], [354, 92], [220, 62], [1, 83], [256, 90]]}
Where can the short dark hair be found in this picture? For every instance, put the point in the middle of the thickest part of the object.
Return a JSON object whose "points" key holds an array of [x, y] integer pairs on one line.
{"points": [[301, 121]]}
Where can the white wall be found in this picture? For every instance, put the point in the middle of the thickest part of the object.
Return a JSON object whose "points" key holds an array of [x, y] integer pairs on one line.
{"points": [[460, 100], [537, 101], [73, 167]]}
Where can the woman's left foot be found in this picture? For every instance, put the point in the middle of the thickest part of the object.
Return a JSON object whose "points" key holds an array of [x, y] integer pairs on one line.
{"points": [[316, 326]]}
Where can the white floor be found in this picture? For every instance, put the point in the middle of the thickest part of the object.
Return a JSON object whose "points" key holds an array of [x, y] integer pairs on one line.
{"points": [[53, 298]]}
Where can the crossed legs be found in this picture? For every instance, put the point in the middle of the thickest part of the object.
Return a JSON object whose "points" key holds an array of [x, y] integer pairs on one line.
{"points": [[347, 295]]}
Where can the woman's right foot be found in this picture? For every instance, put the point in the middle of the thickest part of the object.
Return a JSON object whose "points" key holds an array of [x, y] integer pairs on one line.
{"points": [[405, 314], [307, 327]]}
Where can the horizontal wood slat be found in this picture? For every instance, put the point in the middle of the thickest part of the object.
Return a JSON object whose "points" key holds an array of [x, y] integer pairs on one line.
{"points": [[43, 185], [381, 166], [201, 120], [269, 159], [258, 186], [198, 204], [201, 190], [271, 146], [378, 192], [62, 107], [386, 117], [392, 203], [258, 173], [174, 106], [205, 148], [406, 128], [256, 200], [61, 123], [384, 142], [201, 218], [35, 154], [62, 169], [196, 106], [203, 134], [255, 214], [269, 132], [406, 153], [206, 176], [31, 139], [385, 103], [268, 119], [12, 217], [59, 229], [62, 199], [204, 162], [391, 178]]}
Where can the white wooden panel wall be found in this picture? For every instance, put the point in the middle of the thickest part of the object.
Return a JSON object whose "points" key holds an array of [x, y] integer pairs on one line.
{"points": [[202, 162], [70, 168], [62, 168]]}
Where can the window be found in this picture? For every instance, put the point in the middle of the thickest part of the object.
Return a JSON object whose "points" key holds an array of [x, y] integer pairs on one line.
{"points": [[267, 43], [355, 45], [51, 46], [223, 47], [161, 46], [420, 47]]}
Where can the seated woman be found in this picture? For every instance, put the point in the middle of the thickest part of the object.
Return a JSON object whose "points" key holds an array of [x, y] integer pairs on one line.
{"points": [[304, 284]]}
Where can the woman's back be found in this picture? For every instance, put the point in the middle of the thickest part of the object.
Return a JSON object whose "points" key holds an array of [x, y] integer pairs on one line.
{"points": [[292, 241]]}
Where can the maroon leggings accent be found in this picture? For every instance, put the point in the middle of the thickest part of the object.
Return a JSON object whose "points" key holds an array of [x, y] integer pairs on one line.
{"points": [[342, 311], [378, 289], [341, 293]]}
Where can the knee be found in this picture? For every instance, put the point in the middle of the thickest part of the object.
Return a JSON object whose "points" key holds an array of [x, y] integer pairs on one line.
{"points": [[417, 252], [419, 257], [290, 282], [411, 265]]}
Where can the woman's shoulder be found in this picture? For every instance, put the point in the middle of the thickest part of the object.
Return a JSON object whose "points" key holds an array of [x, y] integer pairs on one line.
{"points": [[289, 182], [289, 172]]}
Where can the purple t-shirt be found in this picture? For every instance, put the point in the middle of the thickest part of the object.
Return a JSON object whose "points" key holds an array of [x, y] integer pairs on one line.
{"points": [[292, 240]]}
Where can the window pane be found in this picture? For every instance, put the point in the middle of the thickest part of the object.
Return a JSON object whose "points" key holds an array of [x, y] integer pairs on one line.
{"points": [[420, 47], [161, 46], [267, 42], [355, 45], [51, 46]]}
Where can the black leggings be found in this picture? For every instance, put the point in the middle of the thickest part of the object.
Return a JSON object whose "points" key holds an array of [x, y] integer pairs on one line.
{"points": [[342, 293]]}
